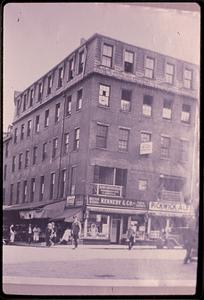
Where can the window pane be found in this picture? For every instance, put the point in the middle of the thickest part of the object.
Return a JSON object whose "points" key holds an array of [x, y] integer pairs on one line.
{"points": [[148, 73], [106, 61], [107, 50], [149, 63], [145, 137], [129, 56], [170, 69]]}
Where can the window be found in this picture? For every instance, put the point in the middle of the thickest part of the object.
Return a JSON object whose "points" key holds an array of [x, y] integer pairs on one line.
{"points": [[76, 138], [126, 100], [20, 159], [188, 75], [66, 143], [40, 90], [18, 107], [11, 194], [60, 76], [63, 180], [68, 106], [46, 118], [149, 67], [123, 139], [42, 188], [81, 62], [4, 192], [97, 226], [24, 191], [185, 113], [147, 105], [169, 73], [184, 150], [44, 151], [111, 176], [101, 136], [22, 131], [104, 94], [54, 147], [6, 149], [165, 147], [24, 102], [79, 99], [31, 97], [32, 190], [49, 84], [57, 112], [142, 185], [107, 55], [129, 60], [27, 158], [5, 171], [73, 180], [13, 163], [71, 69], [35, 155], [15, 135], [167, 109], [29, 128], [52, 184], [145, 137], [37, 124], [18, 192]]}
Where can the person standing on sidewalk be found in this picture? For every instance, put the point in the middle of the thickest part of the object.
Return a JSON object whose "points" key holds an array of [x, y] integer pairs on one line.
{"points": [[131, 236], [12, 234], [76, 230], [30, 233]]}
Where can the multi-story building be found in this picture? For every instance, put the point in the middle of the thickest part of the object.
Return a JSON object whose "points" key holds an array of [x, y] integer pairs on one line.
{"points": [[107, 134]]}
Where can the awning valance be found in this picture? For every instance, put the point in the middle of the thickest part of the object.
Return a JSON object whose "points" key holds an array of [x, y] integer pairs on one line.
{"points": [[116, 210], [69, 213]]}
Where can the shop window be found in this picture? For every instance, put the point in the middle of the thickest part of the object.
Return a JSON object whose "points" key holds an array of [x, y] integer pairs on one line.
{"points": [[49, 84], [188, 75], [32, 190], [142, 185], [129, 61], [18, 192], [46, 118], [104, 95], [60, 76], [125, 104], [165, 146], [169, 73], [35, 148], [22, 131], [71, 69], [101, 136], [20, 160], [97, 226], [79, 100], [147, 105], [57, 112], [123, 139], [184, 150], [185, 113], [107, 55], [81, 62], [52, 184], [149, 67], [37, 124], [29, 128], [76, 138], [66, 143], [68, 106], [167, 109], [44, 151], [125, 224]]}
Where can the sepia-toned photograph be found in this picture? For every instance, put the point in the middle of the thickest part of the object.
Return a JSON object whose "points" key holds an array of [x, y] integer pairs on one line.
{"points": [[101, 107]]}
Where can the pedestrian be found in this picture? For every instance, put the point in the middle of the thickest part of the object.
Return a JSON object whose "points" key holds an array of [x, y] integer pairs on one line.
{"points": [[189, 244], [131, 233], [12, 234], [48, 233], [36, 234], [66, 237], [54, 233], [30, 233], [76, 230]]}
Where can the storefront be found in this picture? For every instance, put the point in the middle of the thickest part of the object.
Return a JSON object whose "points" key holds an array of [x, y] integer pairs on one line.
{"points": [[107, 219]]}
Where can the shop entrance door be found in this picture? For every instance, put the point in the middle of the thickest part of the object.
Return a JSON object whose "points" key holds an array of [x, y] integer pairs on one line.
{"points": [[115, 231]]}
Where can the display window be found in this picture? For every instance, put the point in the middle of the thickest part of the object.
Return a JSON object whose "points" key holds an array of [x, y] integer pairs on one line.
{"points": [[98, 226]]}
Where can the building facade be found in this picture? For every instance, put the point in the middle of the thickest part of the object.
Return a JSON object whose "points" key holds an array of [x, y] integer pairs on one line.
{"points": [[108, 134]]}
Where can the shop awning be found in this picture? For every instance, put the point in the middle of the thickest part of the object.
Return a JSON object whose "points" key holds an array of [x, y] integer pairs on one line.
{"points": [[69, 213], [116, 210]]}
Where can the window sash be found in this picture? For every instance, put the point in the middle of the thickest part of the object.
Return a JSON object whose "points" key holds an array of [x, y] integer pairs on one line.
{"points": [[145, 137], [170, 69], [147, 110], [107, 50], [142, 185], [129, 57], [104, 93], [125, 105]]}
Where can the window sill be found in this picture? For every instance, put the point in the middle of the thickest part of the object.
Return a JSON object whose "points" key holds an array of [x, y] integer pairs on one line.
{"points": [[104, 106], [122, 151], [99, 148], [166, 119], [124, 111], [185, 123]]}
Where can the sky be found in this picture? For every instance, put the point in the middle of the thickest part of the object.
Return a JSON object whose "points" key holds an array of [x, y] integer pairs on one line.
{"points": [[37, 36]]}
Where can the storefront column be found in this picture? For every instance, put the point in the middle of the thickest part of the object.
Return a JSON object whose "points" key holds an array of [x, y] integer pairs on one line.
{"points": [[149, 225], [108, 225], [167, 225], [86, 223]]}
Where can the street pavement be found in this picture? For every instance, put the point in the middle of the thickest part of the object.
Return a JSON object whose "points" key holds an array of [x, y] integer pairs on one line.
{"points": [[88, 270]]}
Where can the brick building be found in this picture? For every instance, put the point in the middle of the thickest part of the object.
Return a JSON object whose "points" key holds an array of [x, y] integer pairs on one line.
{"points": [[107, 134]]}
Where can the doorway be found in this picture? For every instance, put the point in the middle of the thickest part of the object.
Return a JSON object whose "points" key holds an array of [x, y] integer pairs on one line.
{"points": [[115, 231]]}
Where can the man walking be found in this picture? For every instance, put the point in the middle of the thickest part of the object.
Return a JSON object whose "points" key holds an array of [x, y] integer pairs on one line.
{"points": [[76, 230], [131, 236]]}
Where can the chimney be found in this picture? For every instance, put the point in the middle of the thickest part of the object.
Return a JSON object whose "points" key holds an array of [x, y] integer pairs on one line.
{"points": [[82, 41]]}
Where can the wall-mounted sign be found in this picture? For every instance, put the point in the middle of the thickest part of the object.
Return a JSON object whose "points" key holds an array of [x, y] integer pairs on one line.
{"points": [[125, 203], [109, 190], [169, 207], [70, 200], [79, 200], [146, 148]]}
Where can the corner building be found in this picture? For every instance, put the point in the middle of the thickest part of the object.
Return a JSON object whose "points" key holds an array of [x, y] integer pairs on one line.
{"points": [[107, 134]]}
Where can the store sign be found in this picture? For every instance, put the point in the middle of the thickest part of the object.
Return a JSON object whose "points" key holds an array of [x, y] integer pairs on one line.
{"points": [[109, 190], [79, 201], [70, 201], [101, 201], [169, 207], [146, 148]]}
